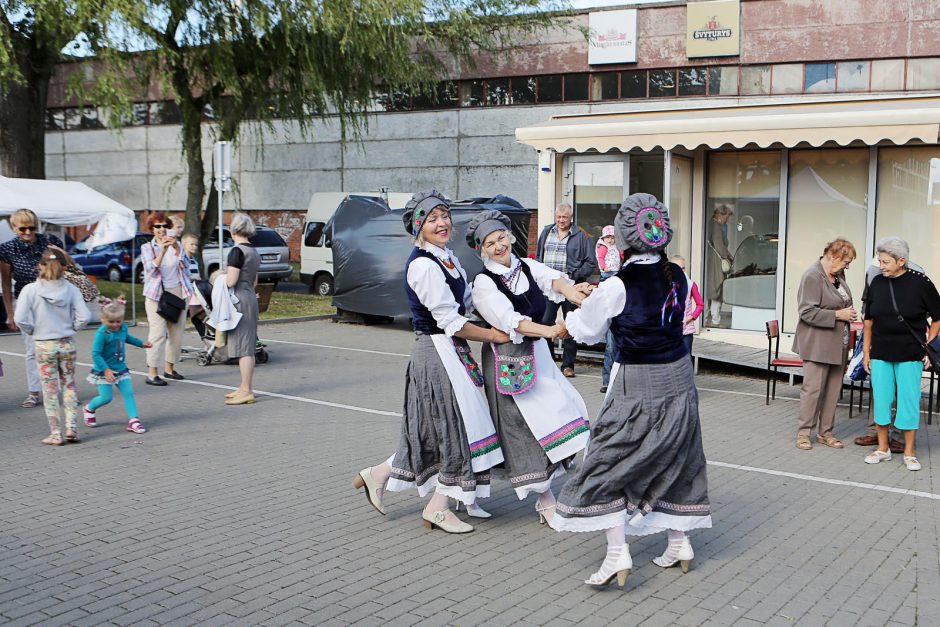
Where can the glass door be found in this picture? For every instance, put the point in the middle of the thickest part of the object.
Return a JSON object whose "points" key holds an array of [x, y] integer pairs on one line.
{"points": [[598, 187], [680, 206]]}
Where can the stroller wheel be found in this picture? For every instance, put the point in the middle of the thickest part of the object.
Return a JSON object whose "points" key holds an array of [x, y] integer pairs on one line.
{"points": [[203, 359], [261, 357]]}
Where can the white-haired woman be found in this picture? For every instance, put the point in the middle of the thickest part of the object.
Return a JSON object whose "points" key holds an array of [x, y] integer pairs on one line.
{"points": [[894, 349], [448, 442], [540, 418], [241, 276]]}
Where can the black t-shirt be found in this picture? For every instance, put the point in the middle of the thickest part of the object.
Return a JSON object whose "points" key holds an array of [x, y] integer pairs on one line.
{"points": [[236, 258], [917, 300]]}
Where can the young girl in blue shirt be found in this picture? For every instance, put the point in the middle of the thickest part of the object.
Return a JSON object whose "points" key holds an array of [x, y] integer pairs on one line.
{"points": [[107, 353]]}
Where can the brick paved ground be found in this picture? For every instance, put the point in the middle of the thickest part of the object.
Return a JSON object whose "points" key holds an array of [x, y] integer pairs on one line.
{"points": [[246, 515]]}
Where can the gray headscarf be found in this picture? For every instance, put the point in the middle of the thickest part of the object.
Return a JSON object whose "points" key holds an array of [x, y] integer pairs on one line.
{"points": [[642, 224], [484, 223], [418, 208]]}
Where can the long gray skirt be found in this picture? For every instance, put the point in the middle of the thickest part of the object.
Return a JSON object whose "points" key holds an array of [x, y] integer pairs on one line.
{"points": [[433, 453], [644, 466], [526, 465]]}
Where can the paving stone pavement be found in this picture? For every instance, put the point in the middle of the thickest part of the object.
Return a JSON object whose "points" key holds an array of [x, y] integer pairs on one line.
{"points": [[246, 515]]}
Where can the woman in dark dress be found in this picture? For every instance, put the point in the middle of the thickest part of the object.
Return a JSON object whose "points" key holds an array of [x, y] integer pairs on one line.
{"points": [[448, 442], [242, 277], [644, 470], [540, 418]]}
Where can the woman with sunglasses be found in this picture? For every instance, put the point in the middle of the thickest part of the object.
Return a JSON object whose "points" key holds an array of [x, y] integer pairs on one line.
{"points": [[19, 266], [165, 270]]}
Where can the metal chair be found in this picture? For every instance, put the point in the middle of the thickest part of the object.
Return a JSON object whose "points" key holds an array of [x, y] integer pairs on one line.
{"points": [[774, 361]]}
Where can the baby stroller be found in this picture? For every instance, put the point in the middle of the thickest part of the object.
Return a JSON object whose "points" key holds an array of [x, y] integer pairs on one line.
{"points": [[208, 354]]}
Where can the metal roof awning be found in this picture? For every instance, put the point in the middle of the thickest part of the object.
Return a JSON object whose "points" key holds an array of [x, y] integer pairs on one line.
{"points": [[898, 120]]}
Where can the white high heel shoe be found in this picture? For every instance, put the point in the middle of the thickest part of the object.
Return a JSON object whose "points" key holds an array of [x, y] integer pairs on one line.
{"points": [[543, 512], [439, 520], [617, 563], [374, 490], [474, 510], [677, 552]]}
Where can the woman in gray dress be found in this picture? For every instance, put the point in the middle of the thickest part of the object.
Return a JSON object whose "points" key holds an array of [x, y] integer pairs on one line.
{"points": [[644, 470], [242, 276], [717, 258]]}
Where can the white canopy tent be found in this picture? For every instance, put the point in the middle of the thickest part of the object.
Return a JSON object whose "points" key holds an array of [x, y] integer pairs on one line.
{"points": [[69, 203]]}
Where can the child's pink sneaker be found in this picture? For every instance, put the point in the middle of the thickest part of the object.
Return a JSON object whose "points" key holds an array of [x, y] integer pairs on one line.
{"points": [[90, 420], [135, 426]]}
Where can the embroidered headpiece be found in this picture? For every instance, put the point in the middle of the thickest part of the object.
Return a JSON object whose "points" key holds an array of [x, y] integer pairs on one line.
{"points": [[642, 224], [484, 223], [420, 205]]}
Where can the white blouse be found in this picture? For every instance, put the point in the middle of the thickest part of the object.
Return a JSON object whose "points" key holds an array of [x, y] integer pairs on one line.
{"points": [[589, 324], [493, 306], [425, 278]]}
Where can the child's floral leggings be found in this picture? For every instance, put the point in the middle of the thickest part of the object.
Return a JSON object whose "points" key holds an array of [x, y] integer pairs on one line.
{"points": [[56, 361]]}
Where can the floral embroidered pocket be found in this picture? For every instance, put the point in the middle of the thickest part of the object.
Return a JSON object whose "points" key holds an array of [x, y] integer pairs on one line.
{"points": [[468, 362], [515, 367]]}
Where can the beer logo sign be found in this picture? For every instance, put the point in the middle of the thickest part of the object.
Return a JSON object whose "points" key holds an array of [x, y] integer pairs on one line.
{"points": [[712, 31]]}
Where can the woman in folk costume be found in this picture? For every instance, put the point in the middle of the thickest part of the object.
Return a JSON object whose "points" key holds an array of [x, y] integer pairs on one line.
{"points": [[448, 441], [644, 470], [540, 418]]}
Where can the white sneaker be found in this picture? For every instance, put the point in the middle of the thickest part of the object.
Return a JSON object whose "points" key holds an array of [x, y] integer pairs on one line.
{"points": [[911, 463], [89, 416], [878, 456]]}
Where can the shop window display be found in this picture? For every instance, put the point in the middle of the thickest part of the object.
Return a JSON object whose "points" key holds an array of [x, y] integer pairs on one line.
{"points": [[741, 237]]}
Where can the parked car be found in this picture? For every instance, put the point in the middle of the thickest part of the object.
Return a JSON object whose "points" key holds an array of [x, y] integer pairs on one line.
{"points": [[111, 261], [275, 254]]}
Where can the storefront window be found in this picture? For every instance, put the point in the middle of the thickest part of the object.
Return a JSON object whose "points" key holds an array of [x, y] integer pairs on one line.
{"points": [[662, 83], [742, 219], [550, 88], [680, 209], [497, 91], [605, 86], [909, 201], [633, 84], [887, 75], [576, 87], [523, 90], [827, 198], [788, 78], [820, 78], [755, 80], [471, 93], [923, 74], [598, 192], [723, 81], [854, 75], [692, 81]]}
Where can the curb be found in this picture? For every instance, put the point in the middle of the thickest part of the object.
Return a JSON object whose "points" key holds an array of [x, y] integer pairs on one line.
{"points": [[143, 323]]}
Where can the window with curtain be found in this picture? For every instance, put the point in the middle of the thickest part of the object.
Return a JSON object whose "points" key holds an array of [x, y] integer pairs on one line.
{"points": [[827, 198]]}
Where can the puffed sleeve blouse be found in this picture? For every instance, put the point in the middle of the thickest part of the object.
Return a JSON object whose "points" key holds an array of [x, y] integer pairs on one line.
{"points": [[425, 278]]}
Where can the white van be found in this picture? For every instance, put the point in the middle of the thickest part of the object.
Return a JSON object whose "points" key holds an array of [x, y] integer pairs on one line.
{"points": [[316, 253]]}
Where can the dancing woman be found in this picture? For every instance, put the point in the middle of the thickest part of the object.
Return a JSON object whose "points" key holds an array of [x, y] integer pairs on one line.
{"points": [[540, 418], [644, 471], [448, 441]]}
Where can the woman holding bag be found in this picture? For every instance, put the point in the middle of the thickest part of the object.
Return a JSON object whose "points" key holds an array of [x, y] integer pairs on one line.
{"points": [[241, 275], [166, 290], [540, 418]]}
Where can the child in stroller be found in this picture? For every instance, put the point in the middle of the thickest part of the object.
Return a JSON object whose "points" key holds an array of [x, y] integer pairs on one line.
{"points": [[199, 314]]}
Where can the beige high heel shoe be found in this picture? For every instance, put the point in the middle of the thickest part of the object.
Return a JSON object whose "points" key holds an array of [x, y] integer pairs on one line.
{"points": [[439, 520], [617, 564], [543, 518], [677, 552], [365, 480]]}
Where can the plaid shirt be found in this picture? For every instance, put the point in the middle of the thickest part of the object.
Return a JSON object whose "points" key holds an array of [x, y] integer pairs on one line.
{"points": [[153, 280], [556, 251]]}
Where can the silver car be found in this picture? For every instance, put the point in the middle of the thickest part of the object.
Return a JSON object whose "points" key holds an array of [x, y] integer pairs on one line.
{"points": [[275, 254]]}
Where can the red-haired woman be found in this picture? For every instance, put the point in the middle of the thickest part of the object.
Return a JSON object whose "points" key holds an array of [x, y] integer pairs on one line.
{"points": [[165, 270]]}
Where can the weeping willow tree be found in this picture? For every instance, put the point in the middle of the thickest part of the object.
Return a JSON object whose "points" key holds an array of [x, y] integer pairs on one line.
{"points": [[35, 35], [304, 60]]}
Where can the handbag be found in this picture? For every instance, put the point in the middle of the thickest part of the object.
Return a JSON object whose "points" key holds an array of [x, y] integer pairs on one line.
{"points": [[74, 275], [856, 368], [932, 348], [725, 263], [170, 306]]}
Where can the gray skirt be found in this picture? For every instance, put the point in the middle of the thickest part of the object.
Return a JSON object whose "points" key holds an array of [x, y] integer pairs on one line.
{"points": [[645, 466], [433, 453], [526, 465]]}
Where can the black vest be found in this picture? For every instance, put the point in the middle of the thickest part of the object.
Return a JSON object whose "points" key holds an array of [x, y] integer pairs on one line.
{"points": [[421, 318], [649, 330], [530, 303]]}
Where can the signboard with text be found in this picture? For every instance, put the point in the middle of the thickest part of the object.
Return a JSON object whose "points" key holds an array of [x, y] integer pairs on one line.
{"points": [[613, 37], [714, 29]]}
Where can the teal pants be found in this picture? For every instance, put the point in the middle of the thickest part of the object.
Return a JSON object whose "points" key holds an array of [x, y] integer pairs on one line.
{"points": [[901, 379], [105, 394]]}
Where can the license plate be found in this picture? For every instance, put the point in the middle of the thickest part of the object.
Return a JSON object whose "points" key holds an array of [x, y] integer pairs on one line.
{"points": [[268, 257]]}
